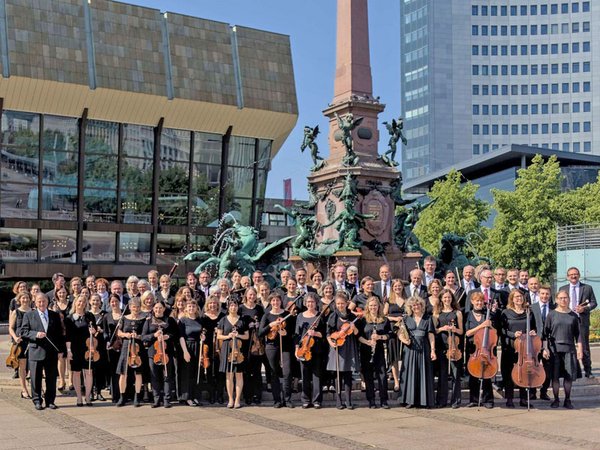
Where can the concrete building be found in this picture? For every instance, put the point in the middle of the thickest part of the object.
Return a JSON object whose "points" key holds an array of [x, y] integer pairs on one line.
{"points": [[484, 74], [127, 133]]}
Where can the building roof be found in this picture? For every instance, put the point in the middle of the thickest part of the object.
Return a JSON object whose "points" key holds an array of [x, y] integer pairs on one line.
{"points": [[498, 160]]}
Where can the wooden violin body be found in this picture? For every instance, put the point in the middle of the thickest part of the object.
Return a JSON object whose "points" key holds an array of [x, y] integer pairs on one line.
{"points": [[92, 354], [453, 353], [205, 356], [133, 356], [235, 355], [346, 329], [303, 352], [483, 364], [160, 356], [528, 371], [12, 360]]}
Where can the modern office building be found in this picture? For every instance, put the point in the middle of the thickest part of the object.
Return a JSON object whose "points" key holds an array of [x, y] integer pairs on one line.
{"points": [[127, 132], [482, 74]]}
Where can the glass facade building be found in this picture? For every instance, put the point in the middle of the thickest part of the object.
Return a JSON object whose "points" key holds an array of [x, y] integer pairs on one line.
{"points": [[480, 75], [131, 149]]}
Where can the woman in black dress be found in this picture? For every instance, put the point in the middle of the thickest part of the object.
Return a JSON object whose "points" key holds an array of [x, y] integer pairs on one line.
{"points": [[113, 343], [62, 306], [147, 303], [449, 320], [231, 333], [252, 313], [367, 285], [22, 305], [312, 369], [434, 289], [513, 323], [476, 320], [100, 367], [130, 332], [344, 358], [418, 357], [214, 381], [191, 335], [564, 347], [375, 331], [81, 326], [393, 309], [278, 349], [159, 335]]}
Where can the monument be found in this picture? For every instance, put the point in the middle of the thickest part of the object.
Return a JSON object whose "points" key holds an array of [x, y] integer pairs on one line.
{"points": [[355, 191]]}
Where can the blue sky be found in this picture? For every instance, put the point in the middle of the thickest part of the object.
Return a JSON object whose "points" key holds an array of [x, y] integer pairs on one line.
{"points": [[311, 27]]}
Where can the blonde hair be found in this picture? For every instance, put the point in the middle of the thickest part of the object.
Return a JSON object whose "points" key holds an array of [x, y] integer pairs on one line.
{"points": [[411, 302], [379, 317]]}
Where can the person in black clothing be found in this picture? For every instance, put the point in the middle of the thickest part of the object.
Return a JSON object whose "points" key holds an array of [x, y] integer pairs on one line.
{"points": [[252, 313], [130, 332], [159, 335], [360, 299], [375, 331], [564, 347], [43, 331], [100, 367], [513, 323], [278, 349], [214, 380], [540, 312], [15, 322], [81, 326], [310, 324], [110, 323], [191, 336]]}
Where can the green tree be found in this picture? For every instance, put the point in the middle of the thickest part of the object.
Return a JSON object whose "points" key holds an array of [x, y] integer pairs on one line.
{"points": [[524, 231], [581, 205], [456, 210]]}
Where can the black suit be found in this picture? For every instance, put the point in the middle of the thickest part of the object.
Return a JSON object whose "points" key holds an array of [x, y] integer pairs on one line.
{"points": [[585, 293], [500, 297], [422, 292], [378, 289], [42, 356], [463, 284], [346, 287]]}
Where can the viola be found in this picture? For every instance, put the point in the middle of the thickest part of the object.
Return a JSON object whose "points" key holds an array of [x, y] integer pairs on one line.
{"points": [[160, 356], [528, 372], [346, 329], [279, 326], [12, 360], [483, 364]]}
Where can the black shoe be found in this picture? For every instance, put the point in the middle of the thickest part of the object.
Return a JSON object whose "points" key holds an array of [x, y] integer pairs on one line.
{"points": [[555, 403], [100, 397], [121, 401], [544, 396], [39, 406], [567, 404], [523, 403], [409, 406], [342, 406], [455, 405], [317, 406], [510, 404], [51, 406], [385, 406], [289, 404], [277, 405], [136, 401], [80, 404], [472, 405], [167, 404], [351, 407], [16, 374], [305, 405], [89, 404], [533, 397], [589, 375], [488, 405], [372, 406]]}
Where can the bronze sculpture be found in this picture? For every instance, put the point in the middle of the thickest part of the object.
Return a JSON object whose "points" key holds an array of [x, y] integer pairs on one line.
{"points": [[396, 134], [346, 124], [310, 134]]}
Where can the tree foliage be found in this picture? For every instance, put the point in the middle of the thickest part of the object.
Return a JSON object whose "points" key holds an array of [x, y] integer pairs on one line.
{"points": [[524, 231], [581, 205], [455, 210]]}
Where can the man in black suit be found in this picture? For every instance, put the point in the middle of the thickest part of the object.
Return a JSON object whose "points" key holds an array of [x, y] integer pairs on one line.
{"points": [[301, 282], [429, 266], [383, 287], [116, 287], [352, 281], [416, 288], [523, 280], [339, 278], [579, 293], [43, 330], [468, 281], [490, 294], [500, 279], [540, 311], [533, 290]]}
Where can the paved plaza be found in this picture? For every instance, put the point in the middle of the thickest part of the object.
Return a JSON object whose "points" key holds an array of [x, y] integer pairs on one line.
{"points": [[105, 426]]}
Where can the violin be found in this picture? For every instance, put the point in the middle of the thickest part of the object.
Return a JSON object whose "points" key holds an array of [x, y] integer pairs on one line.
{"points": [[205, 356], [279, 326], [92, 354], [453, 353], [160, 356], [133, 357], [303, 352], [12, 360], [483, 364], [346, 329], [235, 354], [257, 346], [528, 372]]}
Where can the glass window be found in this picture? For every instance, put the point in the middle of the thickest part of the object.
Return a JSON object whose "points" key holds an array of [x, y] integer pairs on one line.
{"points": [[514, 69], [494, 30], [564, 28], [18, 244], [575, 67], [485, 110], [587, 87], [99, 245], [476, 149], [525, 129], [534, 49], [554, 49], [524, 89], [505, 130], [475, 129], [514, 129], [134, 247], [474, 10], [503, 10], [493, 10], [576, 106], [504, 70], [565, 88], [533, 10], [576, 147], [575, 7], [555, 88], [494, 70], [524, 30], [169, 248], [575, 87], [513, 30], [544, 49], [543, 29], [504, 89], [576, 127], [504, 50], [484, 10], [544, 128], [514, 109], [544, 69], [555, 128], [586, 27], [544, 88], [543, 10], [565, 68], [544, 108], [554, 8], [514, 50], [475, 50], [523, 10], [554, 68], [484, 30], [174, 177], [475, 89], [534, 30], [585, 6], [554, 108], [587, 146], [505, 110], [565, 108], [587, 127], [524, 109], [565, 147], [565, 127], [513, 10], [564, 8], [535, 128], [554, 28], [504, 30], [475, 69], [587, 106], [59, 246], [534, 108], [524, 69], [474, 30], [575, 27], [586, 46], [574, 47]]}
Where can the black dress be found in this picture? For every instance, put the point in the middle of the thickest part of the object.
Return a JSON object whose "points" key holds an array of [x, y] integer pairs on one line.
{"points": [[312, 369], [161, 381], [191, 332], [278, 352], [394, 354], [226, 327], [109, 327], [441, 347], [130, 326], [254, 353], [487, 396], [101, 366], [417, 367], [77, 334], [18, 323], [373, 362], [214, 380], [562, 332]]}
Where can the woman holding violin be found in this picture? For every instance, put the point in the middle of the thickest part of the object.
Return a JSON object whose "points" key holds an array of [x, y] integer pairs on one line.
{"points": [[309, 338], [342, 336], [100, 367], [62, 306], [19, 345], [231, 333], [210, 319], [481, 357], [192, 340], [393, 309], [251, 312], [419, 354], [564, 347], [278, 331], [449, 331], [130, 361], [159, 334], [513, 323], [110, 323], [82, 347], [375, 331]]}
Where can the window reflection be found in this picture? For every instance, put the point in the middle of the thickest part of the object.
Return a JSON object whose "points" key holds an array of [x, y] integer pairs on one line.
{"points": [[59, 246], [99, 246], [134, 247], [170, 248], [18, 244]]}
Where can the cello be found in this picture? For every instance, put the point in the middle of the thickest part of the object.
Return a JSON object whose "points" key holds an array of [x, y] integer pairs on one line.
{"points": [[528, 372], [483, 364]]}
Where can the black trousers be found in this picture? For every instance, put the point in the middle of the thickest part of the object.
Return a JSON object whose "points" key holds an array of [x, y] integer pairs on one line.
{"points": [[49, 368], [372, 371], [161, 383], [584, 333], [188, 374], [345, 386], [311, 380], [253, 378], [507, 363], [113, 360], [281, 376], [443, 385], [487, 395]]}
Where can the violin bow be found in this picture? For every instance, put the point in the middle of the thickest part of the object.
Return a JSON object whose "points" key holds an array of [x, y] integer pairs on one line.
{"points": [[200, 356]]}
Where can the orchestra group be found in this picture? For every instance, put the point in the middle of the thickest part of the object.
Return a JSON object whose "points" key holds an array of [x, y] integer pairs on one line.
{"points": [[212, 341]]}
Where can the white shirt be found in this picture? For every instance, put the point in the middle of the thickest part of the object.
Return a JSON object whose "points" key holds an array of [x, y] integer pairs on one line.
{"points": [[574, 299], [535, 297], [428, 279], [468, 285], [44, 319]]}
